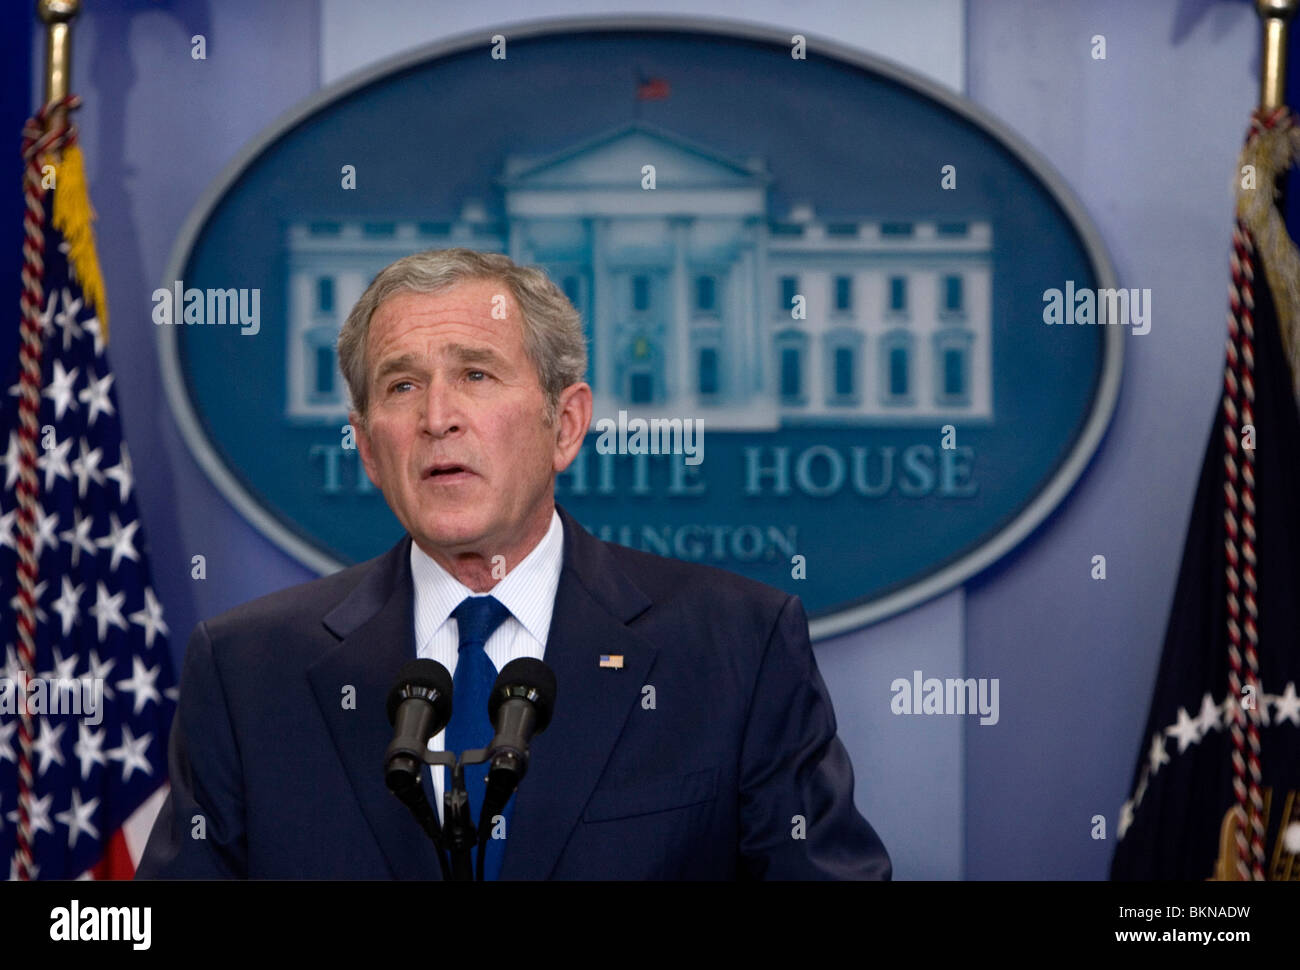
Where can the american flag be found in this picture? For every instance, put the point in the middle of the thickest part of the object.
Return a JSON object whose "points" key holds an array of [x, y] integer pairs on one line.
{"points": [[652, 89], [86, 785]]}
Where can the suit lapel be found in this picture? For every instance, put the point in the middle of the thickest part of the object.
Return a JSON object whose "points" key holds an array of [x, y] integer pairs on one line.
{"points": [[593, 604], [376, 625]]}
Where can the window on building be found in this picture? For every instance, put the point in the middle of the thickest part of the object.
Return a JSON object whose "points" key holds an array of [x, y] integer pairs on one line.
{"points": [[844, 293], [790, 351], [642, 387], [954, 373], [789, 289], [706, 295], [324, 370], [953, 345], [708, 370], [325, 294], [898, 371], [898, 294], [952, 294], [844, 371], [791, 373], [640, 292]]}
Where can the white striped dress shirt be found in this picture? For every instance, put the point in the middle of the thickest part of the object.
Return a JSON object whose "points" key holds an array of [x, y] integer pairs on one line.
{"points": [[527, 591]]}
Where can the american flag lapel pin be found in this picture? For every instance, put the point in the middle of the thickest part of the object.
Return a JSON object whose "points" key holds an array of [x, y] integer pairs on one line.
{"points": [[614, 661]]}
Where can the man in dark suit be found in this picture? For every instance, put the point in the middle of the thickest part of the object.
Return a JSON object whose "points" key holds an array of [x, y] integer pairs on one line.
{"points": [[693, 737]]}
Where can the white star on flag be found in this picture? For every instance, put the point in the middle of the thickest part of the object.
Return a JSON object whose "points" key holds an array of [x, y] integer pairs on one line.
{"points": [[131, 753], [60, 390], [40, 814], [99, 671], [1210, 717], [86, 468], [1186, 731], [12, 466], [119, 540], [67, 318], [79, 536], [77, 818], [47, 744], [6, 746], [89, 749], [121, 473], [141, 683], [96, 395], [54, 462], [68, 605], [107, 610], [150, 617], [1287, 706], [1157, 756]]}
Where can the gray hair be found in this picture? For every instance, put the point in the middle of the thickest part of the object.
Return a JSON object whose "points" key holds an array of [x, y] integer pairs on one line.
{"points": [[552, 328]]}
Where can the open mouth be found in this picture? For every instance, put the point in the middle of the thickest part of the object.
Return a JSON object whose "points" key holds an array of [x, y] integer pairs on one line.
{"points": [[447, 472]]}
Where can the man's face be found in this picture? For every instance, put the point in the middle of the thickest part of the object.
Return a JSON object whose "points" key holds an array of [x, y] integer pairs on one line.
{"points": [[457, 438]]}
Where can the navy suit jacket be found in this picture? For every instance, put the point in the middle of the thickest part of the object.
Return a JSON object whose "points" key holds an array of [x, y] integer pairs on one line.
{"points": [[275, 775]]}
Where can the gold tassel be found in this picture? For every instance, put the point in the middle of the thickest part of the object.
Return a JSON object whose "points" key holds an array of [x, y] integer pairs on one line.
{"points": [[1272, 153], [73, 217]]}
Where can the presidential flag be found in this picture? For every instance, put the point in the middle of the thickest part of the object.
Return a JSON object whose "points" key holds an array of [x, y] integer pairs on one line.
{"points": [[1216, 790], [87, 690]]}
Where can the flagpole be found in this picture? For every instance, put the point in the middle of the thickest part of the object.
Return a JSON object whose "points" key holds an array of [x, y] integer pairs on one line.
{"points": [[57, 16], [1276, 18]]}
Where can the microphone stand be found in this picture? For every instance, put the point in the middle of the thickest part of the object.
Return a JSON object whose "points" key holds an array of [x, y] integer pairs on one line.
{"points": [[461, 834], [458, 834], [460, 828], [414, 798]]}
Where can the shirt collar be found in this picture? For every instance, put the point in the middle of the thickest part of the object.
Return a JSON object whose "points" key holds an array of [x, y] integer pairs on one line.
{"points": [[527, 591]]}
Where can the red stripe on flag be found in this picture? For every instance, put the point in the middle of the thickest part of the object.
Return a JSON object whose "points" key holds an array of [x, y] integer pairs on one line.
{"points": [[116, 863]]}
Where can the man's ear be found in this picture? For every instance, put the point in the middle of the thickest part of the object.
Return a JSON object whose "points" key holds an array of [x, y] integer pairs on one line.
{"points": [[363, 446], [573, 418]]}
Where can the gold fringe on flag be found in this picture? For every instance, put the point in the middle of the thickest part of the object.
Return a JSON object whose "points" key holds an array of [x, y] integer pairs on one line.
{"points": [[73, 216], [1272, 153]]}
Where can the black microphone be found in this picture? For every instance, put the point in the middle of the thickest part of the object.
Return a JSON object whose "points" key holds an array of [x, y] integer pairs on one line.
{"points": [[520, 705], [419, 706]]}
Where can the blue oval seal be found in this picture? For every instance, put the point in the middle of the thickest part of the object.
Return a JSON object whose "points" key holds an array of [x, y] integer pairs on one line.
{"points": [[819, 295]]}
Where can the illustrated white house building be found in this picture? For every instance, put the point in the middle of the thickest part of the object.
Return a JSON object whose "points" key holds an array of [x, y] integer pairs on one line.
{"points": [[695, 300]]}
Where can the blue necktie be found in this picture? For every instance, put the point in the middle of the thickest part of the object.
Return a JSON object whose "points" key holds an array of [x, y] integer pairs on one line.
{"points": [[477, 617]]}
